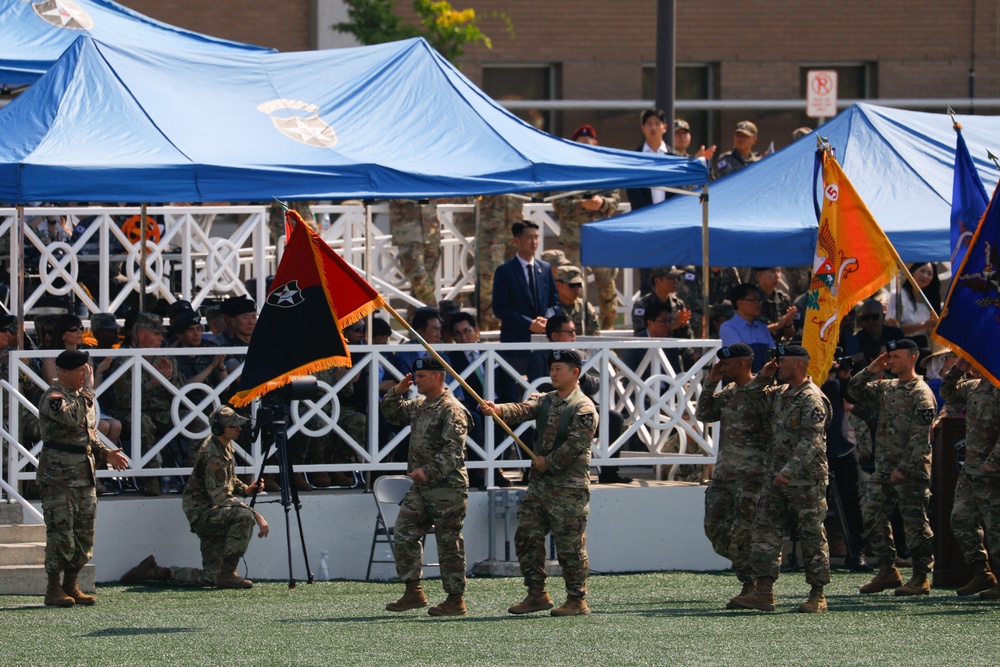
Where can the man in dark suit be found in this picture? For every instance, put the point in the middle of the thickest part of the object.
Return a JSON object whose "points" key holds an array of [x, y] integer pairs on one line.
{"points": [[523, 289]]}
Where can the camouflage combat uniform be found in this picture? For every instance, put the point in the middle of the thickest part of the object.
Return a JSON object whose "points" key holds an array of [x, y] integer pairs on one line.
{"points": [[799, 417], [494, 246], [720, 284], [572, 216], [977, 494], [558, 500], [222, 522], [437, 447], [416, 233], [902, 442], [575, 313], [674, 304], [68, 419], [156, 399], [739, 474]]}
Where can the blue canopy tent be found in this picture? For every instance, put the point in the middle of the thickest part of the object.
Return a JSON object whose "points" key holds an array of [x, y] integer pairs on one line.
{"points": [[108, 124], [900, 162], [34, 34]]}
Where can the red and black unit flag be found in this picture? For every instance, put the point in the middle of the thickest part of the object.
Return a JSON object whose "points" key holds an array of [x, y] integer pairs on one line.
{"points": [[315, 293]]}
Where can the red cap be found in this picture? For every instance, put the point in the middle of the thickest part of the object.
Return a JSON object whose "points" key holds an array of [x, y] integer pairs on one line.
{"points": [[584, 131]]}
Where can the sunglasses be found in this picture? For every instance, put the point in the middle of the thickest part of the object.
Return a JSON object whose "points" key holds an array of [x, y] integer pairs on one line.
{"points": [[73, 329]]}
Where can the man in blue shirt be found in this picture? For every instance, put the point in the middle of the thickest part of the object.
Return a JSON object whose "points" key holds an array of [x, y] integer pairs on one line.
{"points": [[745, 326]]}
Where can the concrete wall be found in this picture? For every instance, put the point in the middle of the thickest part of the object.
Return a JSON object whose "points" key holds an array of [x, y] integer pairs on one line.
{"points": [[639, 528]]}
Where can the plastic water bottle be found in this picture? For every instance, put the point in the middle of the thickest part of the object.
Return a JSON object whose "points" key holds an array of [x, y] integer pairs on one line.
{"points": [[324, 569]]}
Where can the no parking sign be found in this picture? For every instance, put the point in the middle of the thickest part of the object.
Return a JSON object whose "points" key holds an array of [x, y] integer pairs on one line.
{"points": [[821, 93]]}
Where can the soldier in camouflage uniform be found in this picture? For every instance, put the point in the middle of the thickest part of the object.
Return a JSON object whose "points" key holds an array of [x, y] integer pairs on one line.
{"points": [[416, 233], [558, 496], [155, 418], [569, 283], [71, 448], [665, 281], [222, 522], [977, 494], [494, 246], [440, 491], [574, 212], [741, 462], [721, 282], [796, 497], [902, 465]]}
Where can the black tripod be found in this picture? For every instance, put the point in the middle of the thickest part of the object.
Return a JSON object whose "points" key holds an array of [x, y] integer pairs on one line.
{"points": [[289, 494]]}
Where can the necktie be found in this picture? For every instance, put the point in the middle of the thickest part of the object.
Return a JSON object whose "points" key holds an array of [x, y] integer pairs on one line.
{"points": [[473, 357], [531, 288]]}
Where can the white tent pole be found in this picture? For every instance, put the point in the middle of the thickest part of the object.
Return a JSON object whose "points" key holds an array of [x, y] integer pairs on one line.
{"points": [[368, 259], [19, 241], [142, 257]]}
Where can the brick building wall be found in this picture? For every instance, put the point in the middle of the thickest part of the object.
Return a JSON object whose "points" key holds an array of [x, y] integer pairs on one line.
{"points": [[916, 48]]}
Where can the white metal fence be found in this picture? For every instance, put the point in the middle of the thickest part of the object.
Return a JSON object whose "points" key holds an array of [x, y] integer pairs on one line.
{"points": [[657, 401]]}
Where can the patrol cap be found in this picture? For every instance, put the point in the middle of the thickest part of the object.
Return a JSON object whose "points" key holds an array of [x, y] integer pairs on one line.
{"points": [[238, 305], [680, 124], [184, 321], [7, 320], [69, 360], [735, 351], [427, 364], [150, 321], [570, 357], [792, 351], [555, 258], [226, 416], [669, 271], [903, 344], [569, 274], [747, 128], [448, 307], [103, 321]]}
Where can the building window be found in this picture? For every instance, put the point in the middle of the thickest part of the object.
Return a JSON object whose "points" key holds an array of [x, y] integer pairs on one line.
{"points": [[692, 82], [854, 81], [526, 82]]}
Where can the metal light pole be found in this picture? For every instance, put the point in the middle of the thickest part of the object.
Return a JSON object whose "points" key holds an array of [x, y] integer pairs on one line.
{"points": [[666, 60]]}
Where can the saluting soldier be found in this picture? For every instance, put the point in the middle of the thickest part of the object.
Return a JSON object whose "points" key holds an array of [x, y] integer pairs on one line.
{"points": [[977, 494], [902, 465], [741, 462], [558, 496], [67, 417], [440, 491], [796, 495]]}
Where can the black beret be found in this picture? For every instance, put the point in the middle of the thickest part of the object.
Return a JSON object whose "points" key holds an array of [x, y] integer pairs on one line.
{"points": [[902, 344], [735, 351], [793, 351], [566, 357], [69, 360], [427, 364], [184, 321], [7, 320]]}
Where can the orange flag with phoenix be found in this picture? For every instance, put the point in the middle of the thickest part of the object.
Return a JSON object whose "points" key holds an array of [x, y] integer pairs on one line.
{"points": [[854, 258]]}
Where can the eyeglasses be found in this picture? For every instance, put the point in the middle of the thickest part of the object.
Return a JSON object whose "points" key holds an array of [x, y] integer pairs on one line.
{"points": [[663, 321], [752, 299], [571, 332], [576, 285], [871, 317]]}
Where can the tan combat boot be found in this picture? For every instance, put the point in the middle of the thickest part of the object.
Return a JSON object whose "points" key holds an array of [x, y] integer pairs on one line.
{"points": [[454, 605], [748, 588], [229, 577], [573, 606], [54, 594], [147, 570], [413, 598], [918, 584], [887, 577], [760, 597], [538, 600], [982, 580], [816, 604], [71, 587]]}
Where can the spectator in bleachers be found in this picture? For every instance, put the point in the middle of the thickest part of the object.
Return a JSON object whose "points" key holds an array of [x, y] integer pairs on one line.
{"points": [[746, 327], [742, 154], [569, 287], [654, 126], [776, 308], [916, 319], [427, 322], [207, 369], [866, 344], [721, 282]]}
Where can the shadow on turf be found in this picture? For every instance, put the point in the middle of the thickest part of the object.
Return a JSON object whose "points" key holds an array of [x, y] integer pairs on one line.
{"points": [[126, 632]]}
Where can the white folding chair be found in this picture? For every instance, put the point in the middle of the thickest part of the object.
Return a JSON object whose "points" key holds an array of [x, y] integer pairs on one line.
{"points": [[388, 491]]}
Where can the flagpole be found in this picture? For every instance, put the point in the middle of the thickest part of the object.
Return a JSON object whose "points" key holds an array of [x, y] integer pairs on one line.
{"points": [[469, 390]]}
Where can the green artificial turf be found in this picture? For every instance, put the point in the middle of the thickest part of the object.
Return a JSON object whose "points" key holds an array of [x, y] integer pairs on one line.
{"points": [[665, 619]]}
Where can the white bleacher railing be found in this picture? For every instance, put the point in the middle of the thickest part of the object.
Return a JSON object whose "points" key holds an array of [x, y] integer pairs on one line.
{"points": [[657, 401]]}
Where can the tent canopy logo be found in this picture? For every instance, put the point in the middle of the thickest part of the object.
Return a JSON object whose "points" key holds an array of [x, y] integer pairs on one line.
{"points": [[307, 128], [63, 14]]}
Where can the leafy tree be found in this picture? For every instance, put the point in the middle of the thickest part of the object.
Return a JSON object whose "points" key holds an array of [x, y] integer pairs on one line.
{"points": [[447, 29]]}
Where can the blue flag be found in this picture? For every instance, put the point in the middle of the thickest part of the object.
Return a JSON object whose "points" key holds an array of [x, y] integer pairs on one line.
{"points": [[970, 320], [968, 200]]}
